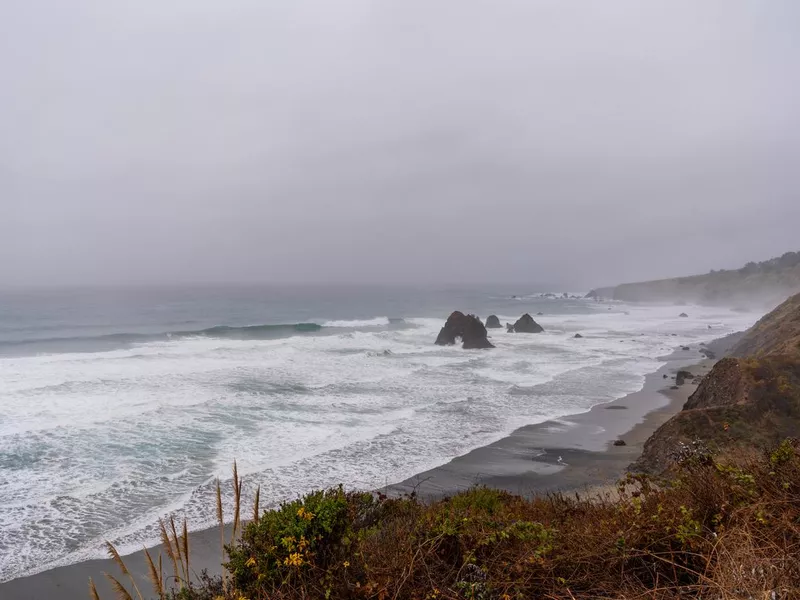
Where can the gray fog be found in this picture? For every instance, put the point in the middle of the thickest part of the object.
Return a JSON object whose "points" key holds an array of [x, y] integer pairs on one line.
{"points": [[464, 141]]}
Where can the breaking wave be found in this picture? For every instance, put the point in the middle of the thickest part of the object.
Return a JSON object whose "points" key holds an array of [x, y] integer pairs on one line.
{"points": [[226, 332]]}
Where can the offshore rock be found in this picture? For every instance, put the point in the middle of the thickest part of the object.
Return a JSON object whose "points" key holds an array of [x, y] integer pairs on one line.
{"points": [[467, 328], [492, 322], [526, 324]]}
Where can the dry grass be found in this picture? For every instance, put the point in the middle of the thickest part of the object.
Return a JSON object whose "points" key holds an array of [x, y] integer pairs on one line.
{"points": [[176, 548], [720, 529]]}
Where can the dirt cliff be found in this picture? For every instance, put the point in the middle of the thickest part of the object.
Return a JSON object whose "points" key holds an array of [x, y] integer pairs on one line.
{"points": [[751, 398]]}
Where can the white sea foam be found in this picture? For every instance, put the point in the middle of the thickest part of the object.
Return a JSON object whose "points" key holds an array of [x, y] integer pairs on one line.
{"points": [[376, 322], [99, 445]]}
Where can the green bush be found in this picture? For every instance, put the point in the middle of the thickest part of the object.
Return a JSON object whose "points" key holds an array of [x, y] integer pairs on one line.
{"points": [[300, 535]]}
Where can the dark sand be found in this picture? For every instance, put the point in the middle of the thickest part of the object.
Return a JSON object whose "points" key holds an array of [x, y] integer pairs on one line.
{"points": [[573, 453]]}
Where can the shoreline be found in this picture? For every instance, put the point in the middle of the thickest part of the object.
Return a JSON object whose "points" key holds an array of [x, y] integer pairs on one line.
{"points": [[572, 453]]}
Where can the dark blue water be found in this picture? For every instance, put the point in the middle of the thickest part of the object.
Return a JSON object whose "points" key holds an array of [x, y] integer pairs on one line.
{"points": [[99, 319]]}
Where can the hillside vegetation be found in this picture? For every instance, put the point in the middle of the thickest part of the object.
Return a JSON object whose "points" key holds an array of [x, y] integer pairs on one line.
{"points": [[762, 284], [778, 332], [751, 398], [719, 530]]}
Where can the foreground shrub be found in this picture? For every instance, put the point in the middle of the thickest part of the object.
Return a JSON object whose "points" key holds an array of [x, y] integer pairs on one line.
{"points": [[721, 528], [287, 544]]}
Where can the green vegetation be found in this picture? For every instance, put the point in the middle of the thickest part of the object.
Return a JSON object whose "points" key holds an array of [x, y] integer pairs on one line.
{"points": [[785, 261], [721, 527], [759, 284], [747, 402]]}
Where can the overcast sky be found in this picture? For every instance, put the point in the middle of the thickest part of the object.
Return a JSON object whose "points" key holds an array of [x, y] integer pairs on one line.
{"points": [[573, 142]]}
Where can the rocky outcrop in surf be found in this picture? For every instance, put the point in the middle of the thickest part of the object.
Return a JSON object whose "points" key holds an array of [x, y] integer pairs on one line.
{"points": [[467, 328], [526, 324], [492, 322]]}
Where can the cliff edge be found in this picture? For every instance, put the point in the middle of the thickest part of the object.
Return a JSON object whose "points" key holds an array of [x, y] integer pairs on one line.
{"points": [[750, 398], [755, 285]]}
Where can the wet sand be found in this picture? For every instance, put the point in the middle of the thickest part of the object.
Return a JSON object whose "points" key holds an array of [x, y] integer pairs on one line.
{"points": [[572, 453]]}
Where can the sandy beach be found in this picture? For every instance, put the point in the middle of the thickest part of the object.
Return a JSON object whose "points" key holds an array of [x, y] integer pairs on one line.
{"points": [[571, 453]]}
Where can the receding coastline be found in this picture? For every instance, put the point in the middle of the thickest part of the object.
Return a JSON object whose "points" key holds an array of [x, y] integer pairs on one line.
{"points": [[526, 462]]}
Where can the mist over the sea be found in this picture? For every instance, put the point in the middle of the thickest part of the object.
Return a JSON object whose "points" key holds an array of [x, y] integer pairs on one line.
{"points": [[378, 141]]}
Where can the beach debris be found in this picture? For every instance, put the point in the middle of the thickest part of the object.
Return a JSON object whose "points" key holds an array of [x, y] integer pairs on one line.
{"points": [[619, 443], [684, 315], [577, 336], [526, 324], [468, 328], [685, 348], [492, 322], [674, 387]]}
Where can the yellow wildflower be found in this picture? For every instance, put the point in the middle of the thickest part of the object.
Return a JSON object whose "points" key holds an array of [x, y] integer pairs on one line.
{"points": [[293, 560], [303, 543], [251, 562], [346, 564], [305, 514]]}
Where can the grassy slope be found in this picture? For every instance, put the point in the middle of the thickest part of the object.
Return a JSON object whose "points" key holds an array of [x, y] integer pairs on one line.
{"points": [[776, 333], [718, 531], [750, 401], [758, 284]]}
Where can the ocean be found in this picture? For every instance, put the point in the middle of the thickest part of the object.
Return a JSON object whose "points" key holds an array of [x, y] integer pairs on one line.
{"points": [[120, 406]]}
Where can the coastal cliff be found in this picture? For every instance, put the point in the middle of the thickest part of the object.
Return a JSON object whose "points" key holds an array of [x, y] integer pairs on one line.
{"points": [[762, 284], [749, 399]]}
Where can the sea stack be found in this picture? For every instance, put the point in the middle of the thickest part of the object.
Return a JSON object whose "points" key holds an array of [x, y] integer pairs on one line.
{"points": [[526, 324], [466, 327], [492, 322]]}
